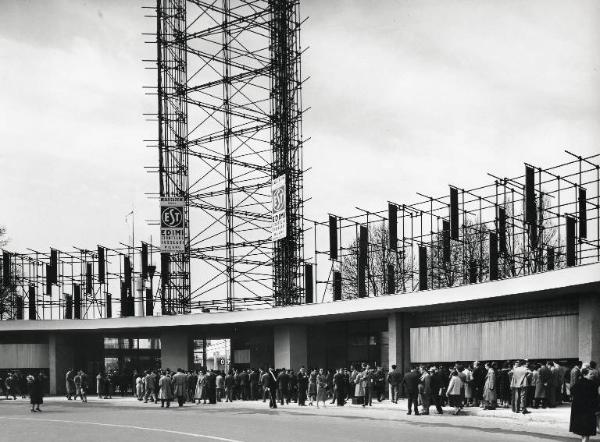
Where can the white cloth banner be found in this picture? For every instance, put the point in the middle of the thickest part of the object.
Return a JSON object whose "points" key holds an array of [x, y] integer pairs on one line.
{"points": [[279, 221]]}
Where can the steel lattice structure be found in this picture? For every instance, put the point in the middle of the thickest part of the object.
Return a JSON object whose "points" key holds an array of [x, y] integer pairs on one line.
{"points": [[229, 118]]}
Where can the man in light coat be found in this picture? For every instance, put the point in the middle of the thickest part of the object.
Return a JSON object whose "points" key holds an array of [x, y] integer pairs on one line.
{"points": [[518, 385]]}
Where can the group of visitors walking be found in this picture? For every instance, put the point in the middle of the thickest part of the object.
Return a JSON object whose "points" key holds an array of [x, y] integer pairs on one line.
{"points": [[17, 384]]}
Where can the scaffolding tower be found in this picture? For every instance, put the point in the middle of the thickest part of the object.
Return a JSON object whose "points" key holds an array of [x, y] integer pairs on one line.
{"points": [[230, 121]]}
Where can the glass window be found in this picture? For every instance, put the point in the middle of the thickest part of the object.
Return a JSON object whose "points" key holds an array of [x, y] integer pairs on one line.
{"points": [[111, 343]]}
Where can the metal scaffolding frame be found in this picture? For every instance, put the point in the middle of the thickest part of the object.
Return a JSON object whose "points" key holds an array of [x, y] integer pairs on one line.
{"points": [[497, 235], [230, 121]]}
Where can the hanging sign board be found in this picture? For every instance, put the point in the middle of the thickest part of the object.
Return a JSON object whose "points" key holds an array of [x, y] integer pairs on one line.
{"points": [[172, 228], [279, 221]]}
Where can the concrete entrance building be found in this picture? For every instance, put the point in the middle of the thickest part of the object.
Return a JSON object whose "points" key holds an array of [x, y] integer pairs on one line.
{"points": [[550, 315]]}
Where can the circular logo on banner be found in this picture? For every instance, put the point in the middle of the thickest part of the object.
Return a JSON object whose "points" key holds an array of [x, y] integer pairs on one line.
{"points": [[278, 199], [221, 361], [172, 217]]}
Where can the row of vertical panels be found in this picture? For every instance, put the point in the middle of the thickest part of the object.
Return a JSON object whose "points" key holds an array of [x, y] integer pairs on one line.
{"points": [[553, 337], [24, 356]]}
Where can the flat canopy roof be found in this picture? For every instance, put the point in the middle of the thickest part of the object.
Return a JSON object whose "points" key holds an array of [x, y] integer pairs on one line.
{"points": [[572, 280]]}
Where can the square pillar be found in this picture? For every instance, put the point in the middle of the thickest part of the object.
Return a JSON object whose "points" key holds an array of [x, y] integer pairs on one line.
{"points": [[399, 341], [290, 346], [589, 327], [60, 358], [176, 350]]}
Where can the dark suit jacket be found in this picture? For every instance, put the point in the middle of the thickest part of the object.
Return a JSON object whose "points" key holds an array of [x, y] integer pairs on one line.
{"points": [[411, 382]]}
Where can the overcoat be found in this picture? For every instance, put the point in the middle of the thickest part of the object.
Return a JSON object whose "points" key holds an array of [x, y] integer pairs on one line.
{"points": [[165, 391], [489, 388], [584, 407], [179, 384]]}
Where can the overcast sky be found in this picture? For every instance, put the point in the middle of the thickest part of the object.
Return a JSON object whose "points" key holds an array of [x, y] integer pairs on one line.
{"points": [[405, 96]]}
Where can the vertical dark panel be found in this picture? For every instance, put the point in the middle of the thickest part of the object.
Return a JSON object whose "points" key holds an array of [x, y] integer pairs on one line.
{"points": [[308, 283], [19, 307], [582, 213], [446, 241], [77, 301], [502, 229], [108, 305], [473, 271], [48, 280], [333, 237], [68, 307], [89, 278], [454, 227], [550, 258], [393, 226], [124, 306], [337, 285], [127, 272], [422, 268], [144, 260], [164, 268], [570, 227], [6, 270], [54, 266], [493, 256], [149, 303], [530, 206], [391, 279], [363, 245], [101, 264], [31, 299]]}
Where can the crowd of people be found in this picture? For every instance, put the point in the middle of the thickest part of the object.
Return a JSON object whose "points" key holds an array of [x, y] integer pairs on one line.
{"points": [[16, 383], [519, 385]]}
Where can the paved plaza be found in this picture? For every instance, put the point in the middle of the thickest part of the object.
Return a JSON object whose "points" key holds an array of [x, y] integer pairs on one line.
{"points": [[126, 419]]}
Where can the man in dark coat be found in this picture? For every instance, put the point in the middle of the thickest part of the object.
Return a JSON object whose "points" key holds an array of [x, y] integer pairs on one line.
{"points": [[292, 386], [586, 403], [302, 380], [253, 380], [411, 389], [479, 375], [394, 379], [545, 375], [437, 384], [282, 382], [272, 388], [338, 383], [265, 381]]}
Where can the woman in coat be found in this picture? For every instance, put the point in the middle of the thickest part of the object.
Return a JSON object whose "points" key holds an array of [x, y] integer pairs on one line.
{"points": [[489, 389], [321, 387], [584, 407], [165, 390], [36, 391], [359, 389], [312, 387], [454, 392], [200, 393]]}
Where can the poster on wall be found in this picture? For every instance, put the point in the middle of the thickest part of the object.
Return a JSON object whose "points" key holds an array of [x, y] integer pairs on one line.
{"points": [[172, 227], [279, 221]]}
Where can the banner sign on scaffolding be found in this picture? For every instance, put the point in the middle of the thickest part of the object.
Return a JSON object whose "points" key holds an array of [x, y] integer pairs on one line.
{"points": [[172, 228], [279, 220]]}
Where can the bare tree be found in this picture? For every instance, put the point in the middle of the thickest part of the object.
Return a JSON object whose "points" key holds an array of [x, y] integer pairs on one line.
{"points": [[378, 257]]}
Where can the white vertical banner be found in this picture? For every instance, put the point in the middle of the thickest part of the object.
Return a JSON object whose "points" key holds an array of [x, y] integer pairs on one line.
{"points": [[279, 221]]}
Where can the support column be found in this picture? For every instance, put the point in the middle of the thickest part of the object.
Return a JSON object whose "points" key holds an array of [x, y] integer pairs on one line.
{"points": [[290, 345], [176, 350], [399, 341], [589, 327], [60, 358]]}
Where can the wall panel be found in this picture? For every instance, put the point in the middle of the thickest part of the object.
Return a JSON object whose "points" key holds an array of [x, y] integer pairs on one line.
{"points": [[24, 356], [536, 338]]}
